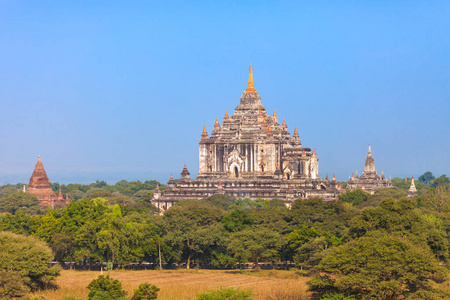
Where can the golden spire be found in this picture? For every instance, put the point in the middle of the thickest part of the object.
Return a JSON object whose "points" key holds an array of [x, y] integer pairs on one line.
{"points": [[204, 129], [260, 112], [270, 129], [250, 85], [264, 121], [226, 114]]}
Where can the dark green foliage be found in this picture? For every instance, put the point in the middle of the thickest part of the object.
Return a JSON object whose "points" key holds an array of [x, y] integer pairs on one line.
{"points": [[105, 287], [304, 246], [27, 257], [377, 268], [12, 286], [28, 203], [441, 180], [9, 189], [237, 220], [221, 201], [193, 227], [426, 177], [399, 218], [256, 245], [18, 223], [355, 197], [226, 294], [333, 217], [146, 291], [380, 194]]}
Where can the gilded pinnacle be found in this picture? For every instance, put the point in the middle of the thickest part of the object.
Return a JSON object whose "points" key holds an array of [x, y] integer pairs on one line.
{"points": [[250, 85]]}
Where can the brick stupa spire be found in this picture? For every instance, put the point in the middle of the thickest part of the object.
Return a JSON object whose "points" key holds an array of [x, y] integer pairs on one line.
{"points": [[40, 185]]}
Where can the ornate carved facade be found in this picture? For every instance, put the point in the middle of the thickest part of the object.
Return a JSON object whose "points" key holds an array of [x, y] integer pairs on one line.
{"points": [[251, 155], [40, 186], [369, 181]]}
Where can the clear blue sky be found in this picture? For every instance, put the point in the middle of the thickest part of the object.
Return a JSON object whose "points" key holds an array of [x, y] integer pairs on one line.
{"points": [[116, 90]]}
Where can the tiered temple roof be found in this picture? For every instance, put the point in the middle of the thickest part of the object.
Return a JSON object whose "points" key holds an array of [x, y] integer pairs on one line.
{"points": [[251, 155]]}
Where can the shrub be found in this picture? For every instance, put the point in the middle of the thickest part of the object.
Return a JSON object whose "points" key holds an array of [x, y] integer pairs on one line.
{"points": [[105, 288], [146, 291], [225, 294]]}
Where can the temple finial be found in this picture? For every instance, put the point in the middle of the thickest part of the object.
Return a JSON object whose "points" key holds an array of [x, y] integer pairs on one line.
{"points": [[250, 85], [226, 114], [370, 151], [204, 129]]}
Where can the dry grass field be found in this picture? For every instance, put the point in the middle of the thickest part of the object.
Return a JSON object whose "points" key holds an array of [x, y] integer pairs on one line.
{"points": [[185, 284]]}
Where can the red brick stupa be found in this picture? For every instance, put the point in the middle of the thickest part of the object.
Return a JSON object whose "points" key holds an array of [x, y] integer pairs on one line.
{"points": [[40, 186]]}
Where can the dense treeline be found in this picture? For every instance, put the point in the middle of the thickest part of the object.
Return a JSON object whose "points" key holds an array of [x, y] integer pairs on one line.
{"points": [[382, 246]]}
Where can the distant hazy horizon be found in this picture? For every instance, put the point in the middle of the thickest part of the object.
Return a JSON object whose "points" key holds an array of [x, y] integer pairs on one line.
{"points": [[119, 90]]}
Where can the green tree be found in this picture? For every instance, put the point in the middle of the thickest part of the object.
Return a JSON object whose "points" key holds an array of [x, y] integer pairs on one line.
{"points": [[27, 257], [105, 287], [188, 225], [426, 177], [146, 291], [441, 180], [28, 203], [12, 286], [355, 197], [237, 220], [256, 245], [19, 223], [380, 267], [332, 217], [298, 238], [400, 218]]}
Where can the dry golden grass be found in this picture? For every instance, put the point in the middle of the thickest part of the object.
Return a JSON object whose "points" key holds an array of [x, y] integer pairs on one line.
{"points": [[186, 284]]}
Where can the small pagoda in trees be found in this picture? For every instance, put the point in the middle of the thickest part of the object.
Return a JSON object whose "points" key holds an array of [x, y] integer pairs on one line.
{"points": [[40, 186]]}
